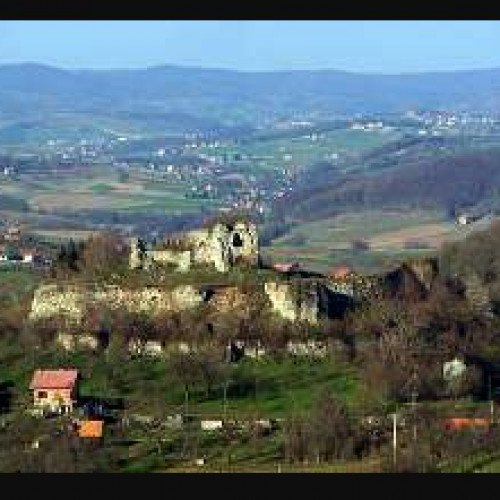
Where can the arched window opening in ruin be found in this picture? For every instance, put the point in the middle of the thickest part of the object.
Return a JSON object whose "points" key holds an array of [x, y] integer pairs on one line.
{"points": [[237, 241]]}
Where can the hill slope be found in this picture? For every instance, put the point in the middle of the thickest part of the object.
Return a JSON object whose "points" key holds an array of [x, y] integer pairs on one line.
{"points": [[447, 182], [37, 91]]}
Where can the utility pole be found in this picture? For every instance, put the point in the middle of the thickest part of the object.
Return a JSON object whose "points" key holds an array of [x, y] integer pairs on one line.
{"points": [[186, 400], [225, 399], [394, 437], [414, 395], [412, 385], [492, 406]]}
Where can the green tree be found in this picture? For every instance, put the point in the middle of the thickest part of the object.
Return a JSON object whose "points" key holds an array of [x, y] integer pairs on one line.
{"points": [[183, 368], [12, 252], [103, 254], [330, 429]]}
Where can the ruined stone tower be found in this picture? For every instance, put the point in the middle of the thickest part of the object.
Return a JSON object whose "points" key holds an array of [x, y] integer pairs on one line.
{"points": [[222, 245]]}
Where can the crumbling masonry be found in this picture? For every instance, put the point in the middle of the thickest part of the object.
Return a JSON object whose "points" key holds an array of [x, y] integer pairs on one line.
{"points": [[222, 245]]}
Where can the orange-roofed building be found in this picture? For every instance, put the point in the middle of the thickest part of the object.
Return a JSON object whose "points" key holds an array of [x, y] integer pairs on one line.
{"points": [[458, 424], [340, 272], [55, 391], [90, 429]]}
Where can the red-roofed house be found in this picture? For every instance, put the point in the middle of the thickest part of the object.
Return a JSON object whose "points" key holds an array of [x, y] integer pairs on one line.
{"points": [[458, 424], [340, 272], [286, 267], [55, 391]]}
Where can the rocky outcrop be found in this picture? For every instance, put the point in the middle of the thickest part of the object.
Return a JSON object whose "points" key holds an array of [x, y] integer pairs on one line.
{"points": [[73, 301]]}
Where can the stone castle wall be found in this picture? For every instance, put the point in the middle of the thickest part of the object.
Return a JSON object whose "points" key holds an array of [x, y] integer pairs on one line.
{"points": [[73, 301], [180, 258], [293, 305], [221, 245]]}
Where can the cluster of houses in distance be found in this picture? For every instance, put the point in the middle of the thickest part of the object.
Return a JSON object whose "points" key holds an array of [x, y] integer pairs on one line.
{"points": [[15, 250]]}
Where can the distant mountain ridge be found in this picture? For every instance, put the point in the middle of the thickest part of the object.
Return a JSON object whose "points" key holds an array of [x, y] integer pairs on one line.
{"points": [[229, 96]]}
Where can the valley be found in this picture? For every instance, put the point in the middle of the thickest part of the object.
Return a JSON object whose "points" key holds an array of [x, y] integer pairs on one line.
{"points": [[226, 271]]}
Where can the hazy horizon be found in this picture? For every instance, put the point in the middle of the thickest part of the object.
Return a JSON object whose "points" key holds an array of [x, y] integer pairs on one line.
{"points": [[367, 47], [251, 71]]}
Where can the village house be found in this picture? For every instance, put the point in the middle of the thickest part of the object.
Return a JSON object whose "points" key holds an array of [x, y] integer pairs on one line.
{"points": [[461, 423], [174, 421], [454, 369], [13, 233], [13, 254], [141, 347], [70, 342], [286, 267], [54, 391], [311, 348], [256, 351], [211, 425], [9, 253], [90, 429], [466, 219], [27, 255], [340, 273]]}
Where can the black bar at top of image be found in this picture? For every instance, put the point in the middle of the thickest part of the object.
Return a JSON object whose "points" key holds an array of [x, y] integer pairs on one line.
{"points": [[230, 10]]}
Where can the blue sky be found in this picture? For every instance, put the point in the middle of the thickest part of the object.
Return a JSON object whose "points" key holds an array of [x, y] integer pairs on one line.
{"points": [[362, 46]]}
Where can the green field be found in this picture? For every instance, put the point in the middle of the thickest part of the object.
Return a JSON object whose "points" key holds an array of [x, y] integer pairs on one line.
{"points": [[100, 188], [391, 235], [16, 284], [21, 137], [268, 388], [299, 152]]}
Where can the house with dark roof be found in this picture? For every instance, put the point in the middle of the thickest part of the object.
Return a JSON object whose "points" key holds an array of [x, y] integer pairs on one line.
{"points": [[54, 391]]}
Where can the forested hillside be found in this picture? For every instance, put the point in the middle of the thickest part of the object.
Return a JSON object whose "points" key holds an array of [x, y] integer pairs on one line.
{"points": [[449, 182]]}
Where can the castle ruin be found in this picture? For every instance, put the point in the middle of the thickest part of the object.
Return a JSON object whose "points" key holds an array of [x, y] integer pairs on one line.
{"points": [[222, 245]]}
